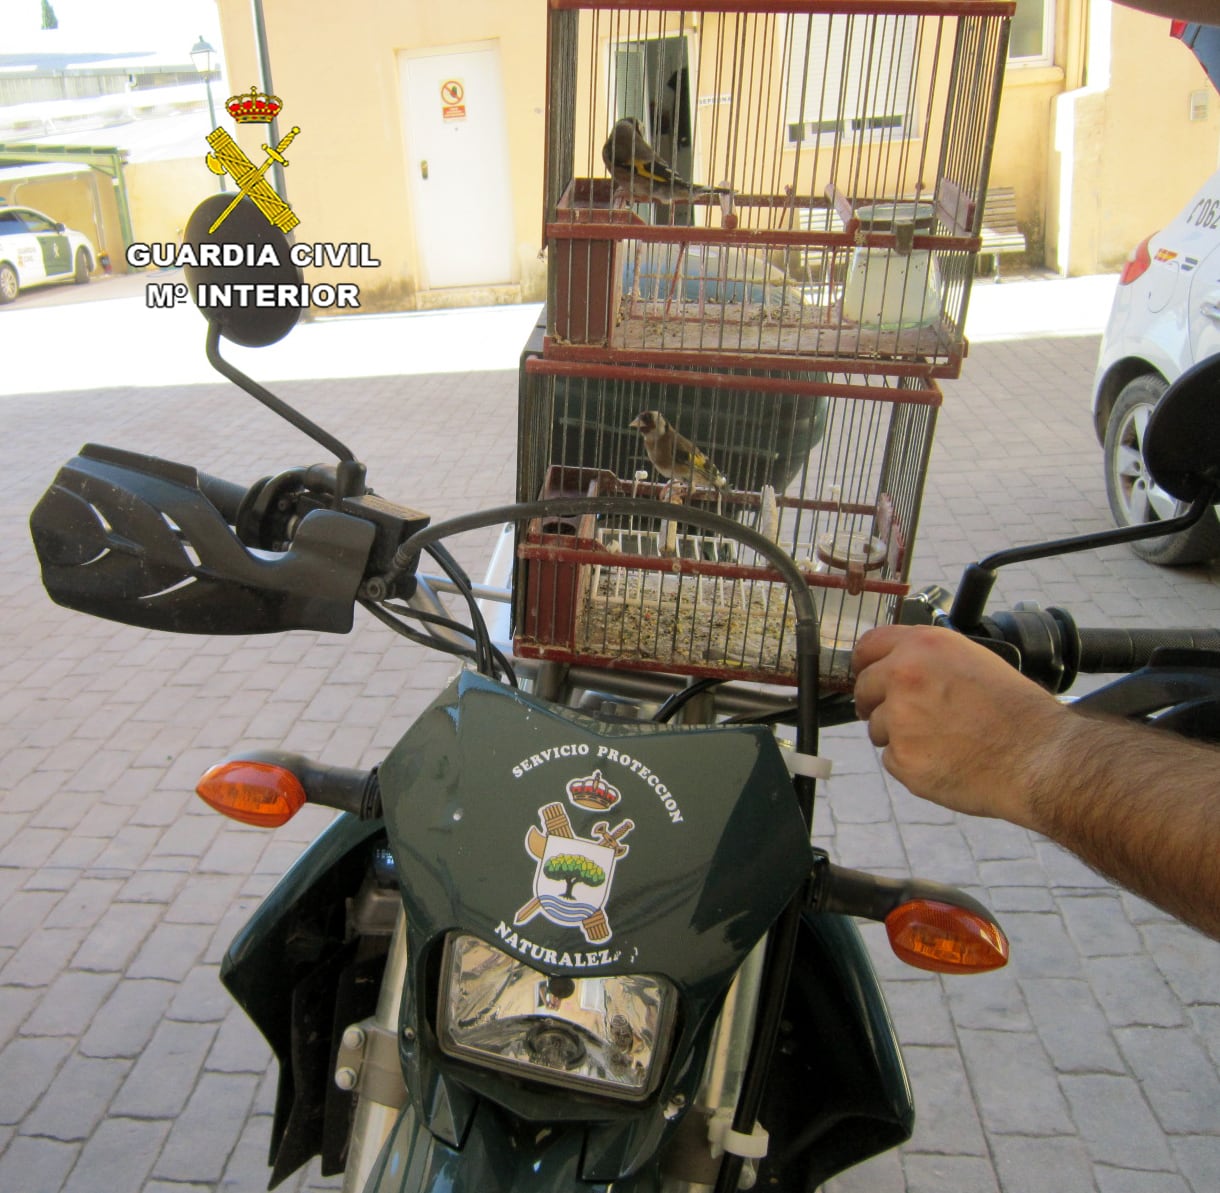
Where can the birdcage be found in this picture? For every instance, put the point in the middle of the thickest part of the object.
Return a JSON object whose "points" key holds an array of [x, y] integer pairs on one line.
{"points": [[829, 466], [775, 183]]}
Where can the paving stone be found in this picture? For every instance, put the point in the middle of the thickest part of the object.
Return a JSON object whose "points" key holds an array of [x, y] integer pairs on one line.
{"points": [[77, 1099], [1025, 1164], [239, 1046], [29, 1065], [1099, 926], [170, 951], [33, 1165], [116, 937], [882, 1174], [948, 1174], [127, 1020], [206, 1132], [16, 1003], [1014, 1083], [118, 1155], [163, 1077], [1071, 1026], [41, 958], [1198, 1160], [1115, 1123], [1132, 992], [83, 905], [1175, 1075], [1120, 1180], [71, 999], [945, 1116], [200, 997]]}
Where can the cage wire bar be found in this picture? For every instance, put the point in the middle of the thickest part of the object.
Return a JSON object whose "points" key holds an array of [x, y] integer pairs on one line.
{"points": [[837, 154], [831, 468]]}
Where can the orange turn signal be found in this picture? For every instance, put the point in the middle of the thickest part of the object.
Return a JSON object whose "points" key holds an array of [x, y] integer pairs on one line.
{"points": [[255, 793], [945, 939]]}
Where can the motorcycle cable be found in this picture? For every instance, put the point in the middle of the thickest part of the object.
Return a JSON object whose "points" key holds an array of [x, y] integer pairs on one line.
{"points": [[484, 659], [682, 697], [392, 615]]}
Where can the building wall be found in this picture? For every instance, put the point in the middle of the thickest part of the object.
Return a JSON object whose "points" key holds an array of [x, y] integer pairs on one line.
{"points": [[1097, 145], [336, 69], [1151, 156], [162, 194]]}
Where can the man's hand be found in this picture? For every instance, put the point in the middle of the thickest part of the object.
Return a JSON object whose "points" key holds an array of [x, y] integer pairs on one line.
{"points": [[959, 726], [956, 723]]}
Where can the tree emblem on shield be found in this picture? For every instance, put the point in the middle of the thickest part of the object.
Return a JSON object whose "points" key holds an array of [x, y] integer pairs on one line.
{"points": [[573, 877]]}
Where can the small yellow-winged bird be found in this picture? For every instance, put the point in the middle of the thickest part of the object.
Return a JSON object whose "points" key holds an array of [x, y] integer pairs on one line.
{"points": [[674, 456], [642, 173]]}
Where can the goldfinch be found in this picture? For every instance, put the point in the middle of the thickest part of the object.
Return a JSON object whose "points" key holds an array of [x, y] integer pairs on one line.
{"points": [[673, 455], [642, 173]]}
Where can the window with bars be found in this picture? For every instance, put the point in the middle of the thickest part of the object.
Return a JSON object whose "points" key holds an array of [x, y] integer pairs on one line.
{"points": [[850, 78]]}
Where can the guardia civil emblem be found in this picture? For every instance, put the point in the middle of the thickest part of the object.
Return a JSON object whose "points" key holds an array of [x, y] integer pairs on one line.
{"points": [[574, 874]]}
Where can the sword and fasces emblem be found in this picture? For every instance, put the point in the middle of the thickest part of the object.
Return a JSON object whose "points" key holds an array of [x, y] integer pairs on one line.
{"points": [[227, 157], [567, 862]]}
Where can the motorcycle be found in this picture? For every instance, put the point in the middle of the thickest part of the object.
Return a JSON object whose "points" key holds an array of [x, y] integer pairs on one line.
{"points": [[555, 942]]}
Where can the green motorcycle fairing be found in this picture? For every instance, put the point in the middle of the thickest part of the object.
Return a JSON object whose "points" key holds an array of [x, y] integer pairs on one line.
{"points": [[717, 848]]}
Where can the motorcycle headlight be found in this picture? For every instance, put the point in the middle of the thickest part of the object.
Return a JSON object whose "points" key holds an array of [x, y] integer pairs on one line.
{"points": [[607, 1035]]}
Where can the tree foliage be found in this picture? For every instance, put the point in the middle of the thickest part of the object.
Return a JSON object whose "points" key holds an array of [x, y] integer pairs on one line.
{"points": [[571, 868]]}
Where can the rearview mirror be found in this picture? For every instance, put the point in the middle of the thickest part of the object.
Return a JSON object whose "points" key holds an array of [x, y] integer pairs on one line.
{"points": [[1182, 440], [262, 260]]}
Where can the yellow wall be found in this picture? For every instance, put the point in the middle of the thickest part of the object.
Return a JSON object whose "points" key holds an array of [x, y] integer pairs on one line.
{"points": [[1152, 156], [83, 200], [336, 69], [1114, 155], [162, 195]]}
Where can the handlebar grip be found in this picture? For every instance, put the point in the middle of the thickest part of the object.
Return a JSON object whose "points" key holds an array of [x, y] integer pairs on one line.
{"points": [[225, 495], [1117, 650]]}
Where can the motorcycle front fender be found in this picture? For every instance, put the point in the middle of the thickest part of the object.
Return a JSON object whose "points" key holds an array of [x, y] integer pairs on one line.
{"points": [[301, 976], [496, 1156]]}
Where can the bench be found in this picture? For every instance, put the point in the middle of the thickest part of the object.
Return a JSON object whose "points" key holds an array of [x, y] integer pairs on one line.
{"points": [[1000, 233]]}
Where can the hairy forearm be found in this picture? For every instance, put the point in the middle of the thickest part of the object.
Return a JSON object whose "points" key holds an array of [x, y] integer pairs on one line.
{"points": [[1139, 805]]}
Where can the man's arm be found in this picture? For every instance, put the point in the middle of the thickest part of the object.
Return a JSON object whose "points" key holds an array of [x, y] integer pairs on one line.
{"points": [[960, 727]]}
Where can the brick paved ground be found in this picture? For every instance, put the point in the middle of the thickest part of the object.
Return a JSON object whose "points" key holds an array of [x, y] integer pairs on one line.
{"points": [[1089, 1066]]}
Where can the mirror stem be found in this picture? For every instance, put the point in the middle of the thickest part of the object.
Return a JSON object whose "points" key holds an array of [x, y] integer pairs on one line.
{"points": [[274, 404], [978, 578]]}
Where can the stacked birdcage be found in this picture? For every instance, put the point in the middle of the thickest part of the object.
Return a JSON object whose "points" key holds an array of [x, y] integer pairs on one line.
{"points": [[762, 223]]}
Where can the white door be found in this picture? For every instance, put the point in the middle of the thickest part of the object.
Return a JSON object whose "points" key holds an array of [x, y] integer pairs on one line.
{"points": [[457, 160]]}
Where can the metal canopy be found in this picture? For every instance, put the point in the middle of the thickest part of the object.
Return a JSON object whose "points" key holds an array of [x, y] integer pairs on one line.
{"points": [[106, 160]]}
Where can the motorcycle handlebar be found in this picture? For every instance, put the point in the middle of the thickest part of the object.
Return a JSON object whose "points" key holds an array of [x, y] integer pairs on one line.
{"points": [[1119, 650], [226, 496]]}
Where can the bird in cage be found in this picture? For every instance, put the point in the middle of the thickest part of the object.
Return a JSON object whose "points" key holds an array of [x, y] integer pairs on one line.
{"points": [[674, 456], [644, 174]]}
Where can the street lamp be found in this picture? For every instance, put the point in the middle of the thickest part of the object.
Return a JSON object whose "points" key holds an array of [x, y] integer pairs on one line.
{"points": [[202, 55]]}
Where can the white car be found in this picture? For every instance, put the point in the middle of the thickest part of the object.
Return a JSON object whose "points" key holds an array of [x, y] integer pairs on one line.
{"points": [[35, 249], [1166, 316]]}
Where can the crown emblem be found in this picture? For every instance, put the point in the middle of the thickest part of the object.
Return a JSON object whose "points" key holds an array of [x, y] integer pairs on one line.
{"points": [[254, 107], [593, 792]]}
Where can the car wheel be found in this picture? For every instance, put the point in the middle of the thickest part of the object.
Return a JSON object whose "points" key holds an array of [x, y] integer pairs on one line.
{"points": [[1134, 497], [8, 283], [84, 267]]}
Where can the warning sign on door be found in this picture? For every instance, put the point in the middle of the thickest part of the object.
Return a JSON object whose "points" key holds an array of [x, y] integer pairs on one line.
{"points": [[452, 95]]}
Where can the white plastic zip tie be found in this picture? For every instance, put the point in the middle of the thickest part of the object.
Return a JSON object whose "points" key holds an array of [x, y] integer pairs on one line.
{"points": [[723, 1138], [809, 766]]}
